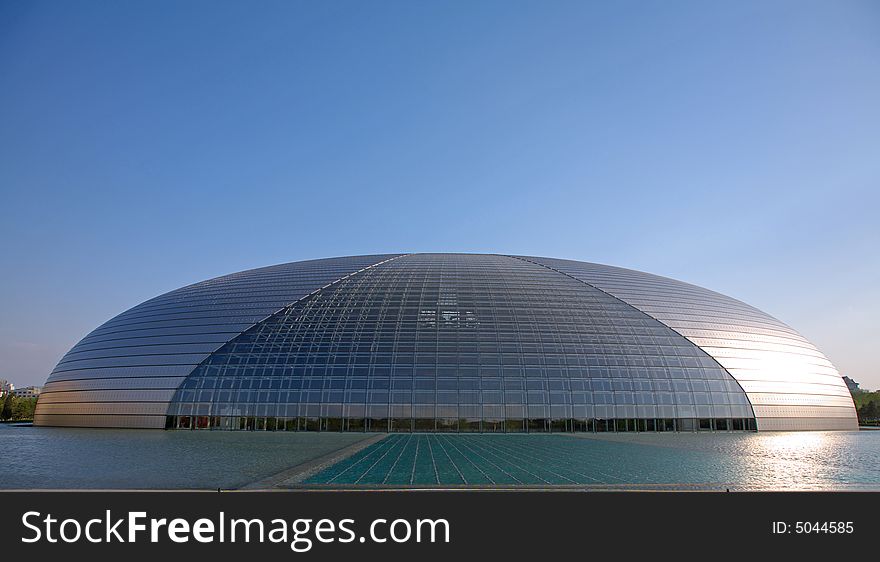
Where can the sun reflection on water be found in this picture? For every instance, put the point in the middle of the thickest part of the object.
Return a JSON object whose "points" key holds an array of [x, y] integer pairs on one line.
{"points": [[809, 460], [798, 460], [82, 458]]}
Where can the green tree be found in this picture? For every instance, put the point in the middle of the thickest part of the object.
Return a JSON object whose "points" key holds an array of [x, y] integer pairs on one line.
{"points": [[23, 408], [864, 397], [8, 403], [870, 411]]}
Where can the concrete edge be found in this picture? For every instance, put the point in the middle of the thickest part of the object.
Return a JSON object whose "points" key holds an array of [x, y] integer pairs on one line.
{"points": [[300, 472]]}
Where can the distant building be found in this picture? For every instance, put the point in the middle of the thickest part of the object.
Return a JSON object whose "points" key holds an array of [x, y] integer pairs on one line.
{"points": [[27, 392], [6, 387], [852, 385]]}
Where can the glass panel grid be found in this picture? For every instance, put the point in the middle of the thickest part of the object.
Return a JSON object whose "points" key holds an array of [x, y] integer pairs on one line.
{"points": [[431, 341]]}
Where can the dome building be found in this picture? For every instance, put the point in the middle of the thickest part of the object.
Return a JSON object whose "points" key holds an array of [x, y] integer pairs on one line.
{"points": [[445, 342]]}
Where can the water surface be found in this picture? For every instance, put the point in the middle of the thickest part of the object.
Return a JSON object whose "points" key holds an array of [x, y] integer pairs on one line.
{"points": [[739, 461], [53, 458]]}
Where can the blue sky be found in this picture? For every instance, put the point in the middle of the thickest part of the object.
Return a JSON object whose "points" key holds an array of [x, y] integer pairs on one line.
{"points": [[147, 145]]}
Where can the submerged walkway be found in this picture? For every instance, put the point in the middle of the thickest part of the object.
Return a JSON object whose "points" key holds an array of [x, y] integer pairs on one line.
{"points": [[735, 461], [471, 460], [297, 473]]}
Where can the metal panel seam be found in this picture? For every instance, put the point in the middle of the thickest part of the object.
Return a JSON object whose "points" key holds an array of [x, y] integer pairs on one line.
{"points": [[646, 314], [285, 307]]}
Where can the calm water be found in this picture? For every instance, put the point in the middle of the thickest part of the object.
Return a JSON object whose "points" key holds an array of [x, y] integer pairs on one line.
{"points": [[50, 457], [32, 457], [820, 460]]}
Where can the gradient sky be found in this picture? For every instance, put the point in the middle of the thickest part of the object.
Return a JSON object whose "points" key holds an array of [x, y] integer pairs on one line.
{"points": [[148, 145]]}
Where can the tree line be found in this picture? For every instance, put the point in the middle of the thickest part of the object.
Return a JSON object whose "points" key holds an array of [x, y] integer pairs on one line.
{"points": [[16, 408], [867, 407]]}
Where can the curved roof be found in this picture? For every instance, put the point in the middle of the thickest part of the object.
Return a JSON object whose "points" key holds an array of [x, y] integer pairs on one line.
{"points": [[789, 382], [129, 367], [148, 361]]}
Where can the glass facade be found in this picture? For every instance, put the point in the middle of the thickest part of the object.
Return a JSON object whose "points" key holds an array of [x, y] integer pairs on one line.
{"points": [[124, 373], [789, 382], [445, 342]]}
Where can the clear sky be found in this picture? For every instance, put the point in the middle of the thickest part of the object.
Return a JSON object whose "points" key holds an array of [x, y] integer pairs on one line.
{"points": [[148, 145]]}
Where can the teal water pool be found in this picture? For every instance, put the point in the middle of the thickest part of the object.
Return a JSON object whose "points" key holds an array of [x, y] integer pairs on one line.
{"points": [[58, 458], [754, 461]]}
